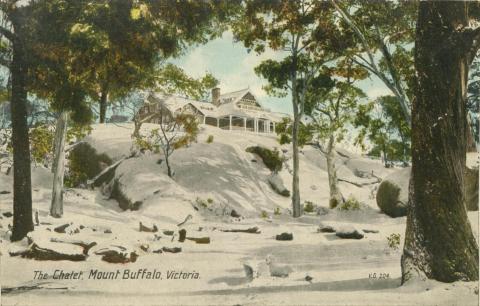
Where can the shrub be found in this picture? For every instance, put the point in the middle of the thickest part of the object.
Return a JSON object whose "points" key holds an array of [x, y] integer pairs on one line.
{"points": [[41, 143], [210, 201], [202, 203], [277, 212], [394, 241], [308, 207], [350, 204], [210, 139], [85, 163], [264, 214], [271, 159], [284, 139]]}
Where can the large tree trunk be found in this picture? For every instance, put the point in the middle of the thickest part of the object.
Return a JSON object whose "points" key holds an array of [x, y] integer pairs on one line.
{"points": [[439, 243], [297, 211], [22, 186], [103, 105], [336, 197], [56, 207]]}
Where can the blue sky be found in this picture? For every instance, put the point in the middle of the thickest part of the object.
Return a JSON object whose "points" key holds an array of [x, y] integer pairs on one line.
{"points": [[233, 66]]}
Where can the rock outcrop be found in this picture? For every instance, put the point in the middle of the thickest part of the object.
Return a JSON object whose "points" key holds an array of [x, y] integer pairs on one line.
{"points": [[392, 194]]}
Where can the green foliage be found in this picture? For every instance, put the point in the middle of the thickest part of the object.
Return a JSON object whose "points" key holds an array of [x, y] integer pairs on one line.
{"points": [[84, 163], [277, 211], [202, 203], [394, 241], [210, 139], [264, 214], [271, 159], [284, 139], [284, 130], [309, 207], [209, 201], [41, 143], [350, 204], [173, 80], [383, 123], [77, 132], [174, 133]]}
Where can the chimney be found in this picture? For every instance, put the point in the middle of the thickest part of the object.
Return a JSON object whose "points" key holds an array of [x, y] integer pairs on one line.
{"points": [[216, 96]]}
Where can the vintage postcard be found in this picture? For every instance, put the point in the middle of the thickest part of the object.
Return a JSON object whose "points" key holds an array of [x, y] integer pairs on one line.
{"points": [[239, 152]]}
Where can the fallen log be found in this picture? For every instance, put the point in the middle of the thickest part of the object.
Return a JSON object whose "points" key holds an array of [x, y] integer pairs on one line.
{"points": [[187, 218], [172, 250], [85, 245], [105, 175], [202, 240], [115, 256], [252, 230], [47, 253], [360, 184]]}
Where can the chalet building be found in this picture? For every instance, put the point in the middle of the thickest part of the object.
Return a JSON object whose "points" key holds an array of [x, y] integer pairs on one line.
{"points": [[238, 110]]}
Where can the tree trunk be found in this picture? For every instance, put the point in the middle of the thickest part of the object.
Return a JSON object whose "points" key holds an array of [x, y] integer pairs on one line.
{"points": [[103, 105], [169, 169], [297, 211], [439, 243], [336, 197], [22, 185], [56, 207]]}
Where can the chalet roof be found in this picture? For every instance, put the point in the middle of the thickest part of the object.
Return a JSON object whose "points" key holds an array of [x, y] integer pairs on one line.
{"points": [[174, 103]]}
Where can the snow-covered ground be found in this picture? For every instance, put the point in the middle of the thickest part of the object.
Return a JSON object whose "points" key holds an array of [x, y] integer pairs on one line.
{"points": [[222, 176]]}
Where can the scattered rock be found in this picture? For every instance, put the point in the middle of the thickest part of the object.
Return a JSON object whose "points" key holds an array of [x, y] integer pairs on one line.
{"points": [[370, 231], [182, 235], [147, 229], [61, 228], [248, 271], [234, 214], [202, 240], [308, 278], [107, 231], [81, 227], [144, 247], [277, 185], [326, 229], [284, 237], [172, 250], [349, 233], [7, 214]]}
